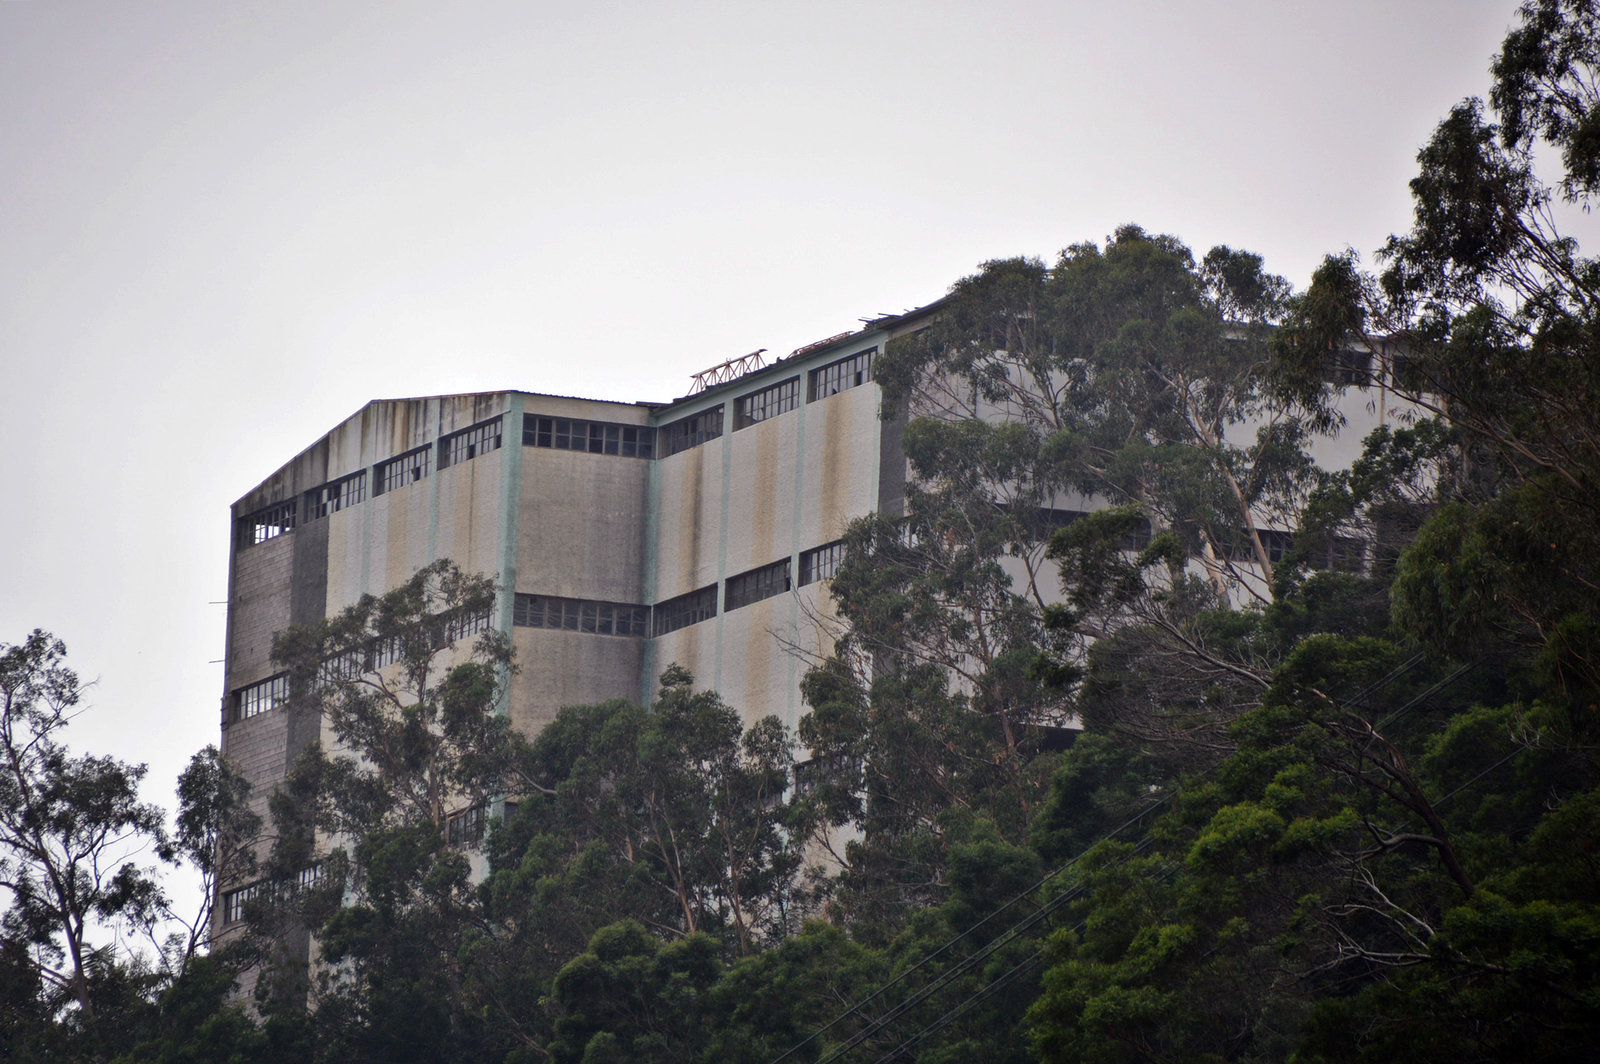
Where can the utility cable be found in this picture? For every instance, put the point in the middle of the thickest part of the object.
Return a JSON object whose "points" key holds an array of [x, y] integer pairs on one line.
{"points": [[984, 993], [858, 1006], [874, 1026], [961, 967]]}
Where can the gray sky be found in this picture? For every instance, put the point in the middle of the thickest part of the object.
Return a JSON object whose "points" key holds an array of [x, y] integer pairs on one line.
{"points": [[223, 228]]}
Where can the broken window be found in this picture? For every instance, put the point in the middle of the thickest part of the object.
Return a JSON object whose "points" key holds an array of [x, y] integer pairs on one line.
{"points": [[335, 495], [685, 610], [767, 403], [581, 615], [470, 442], [757, 584], [595, 437], [459, 626], [820, 563], [466, 827], [261, 697], [234, 901], [404, 469], [847, 373], [267, 523], [692, 431], [1349, 366]]}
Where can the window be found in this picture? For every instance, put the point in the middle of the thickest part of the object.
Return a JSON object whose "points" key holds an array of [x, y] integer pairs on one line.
{"points": [[1139, 537], [386, 652], [581, 615], [351, 665], [767, 403], [1237, 547], [838, 770], [470, 443], [267, 523], [757, 584], [842, 375], [466, 827], [234, 901], [820, 563], [261, 697], [335, 495], [404, 469], [595, 437], [459, 626], [685, 610], [1349, 366], [690, 431]]}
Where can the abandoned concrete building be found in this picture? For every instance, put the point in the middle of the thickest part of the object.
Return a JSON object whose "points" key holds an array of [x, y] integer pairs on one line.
{"points": [[628, 536], [624, 536]]}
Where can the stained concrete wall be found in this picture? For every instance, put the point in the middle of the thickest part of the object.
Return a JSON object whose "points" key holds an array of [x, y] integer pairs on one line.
{"points": [[760, 494], [581, 532]]}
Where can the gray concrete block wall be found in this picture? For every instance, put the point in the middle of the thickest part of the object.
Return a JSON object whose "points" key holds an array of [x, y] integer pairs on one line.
{"points": [[581, 529], [258, 606]]}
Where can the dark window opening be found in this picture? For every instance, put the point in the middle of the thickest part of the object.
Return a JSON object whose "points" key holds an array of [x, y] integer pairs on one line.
{"points": [[261, 697], [267, 523], [821, 563], [769, 402], [840, 376], [580, 615], [1349, 366], [690, 431], [685, 610], [594, 437], [466, 827], [335, 495], [757, 584], [469, 443], [404, 469]]}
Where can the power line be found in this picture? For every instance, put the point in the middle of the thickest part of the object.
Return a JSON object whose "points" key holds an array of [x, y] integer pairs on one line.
{"points": [[858, 1006]]}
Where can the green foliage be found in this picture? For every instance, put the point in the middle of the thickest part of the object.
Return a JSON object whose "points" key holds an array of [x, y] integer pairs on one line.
{"points": [[72, 830]]}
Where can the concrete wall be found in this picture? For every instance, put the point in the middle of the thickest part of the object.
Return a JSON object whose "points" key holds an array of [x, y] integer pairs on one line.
{"points": [[581, 531], [760, 494]]}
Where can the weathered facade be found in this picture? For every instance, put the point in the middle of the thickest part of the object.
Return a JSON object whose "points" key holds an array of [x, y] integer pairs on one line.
{"points": [[624, 536]]}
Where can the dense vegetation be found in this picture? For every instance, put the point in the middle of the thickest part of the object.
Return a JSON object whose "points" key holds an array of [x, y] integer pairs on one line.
{"points": [[1324, 807]]}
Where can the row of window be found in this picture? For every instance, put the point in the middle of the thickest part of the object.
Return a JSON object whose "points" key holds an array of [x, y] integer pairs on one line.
{"points": [[580, 615], [273, 692], [837, 376], [234, 902], [270, 522], [565, 614], [757, 584], [595, 437], [564, 434]]}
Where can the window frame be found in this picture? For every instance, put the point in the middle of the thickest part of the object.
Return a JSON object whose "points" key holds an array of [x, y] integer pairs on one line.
{"points": [[689, 432], [682, 611], [821, 563], [471, 442], [418, 462], [754, 585], [267, 523], [764, 404], [840, 371]]}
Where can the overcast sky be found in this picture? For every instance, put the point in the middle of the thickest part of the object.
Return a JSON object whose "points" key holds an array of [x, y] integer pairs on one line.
{"points": [[225, 227]]}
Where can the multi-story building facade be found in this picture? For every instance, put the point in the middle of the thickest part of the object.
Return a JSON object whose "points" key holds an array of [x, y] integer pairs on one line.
{"points": [[624, 536]]}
